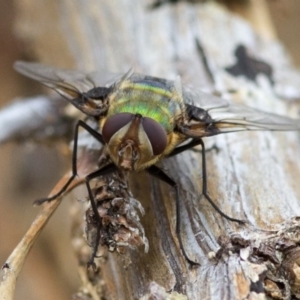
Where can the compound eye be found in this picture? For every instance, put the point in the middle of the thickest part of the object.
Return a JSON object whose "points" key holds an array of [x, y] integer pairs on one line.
{"points": [[156, 135], [114, 123]]}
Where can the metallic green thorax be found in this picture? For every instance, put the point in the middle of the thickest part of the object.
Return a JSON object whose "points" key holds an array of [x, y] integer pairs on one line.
{"points": [[148, 98]]}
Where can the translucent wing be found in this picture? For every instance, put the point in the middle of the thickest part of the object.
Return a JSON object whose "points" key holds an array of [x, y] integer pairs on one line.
{"points": [[86, 91], [68, 83], [236, 118], [222, 116]]}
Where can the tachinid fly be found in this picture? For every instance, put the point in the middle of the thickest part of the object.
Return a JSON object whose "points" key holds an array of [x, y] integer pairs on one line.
{"points": [[143, 119]]}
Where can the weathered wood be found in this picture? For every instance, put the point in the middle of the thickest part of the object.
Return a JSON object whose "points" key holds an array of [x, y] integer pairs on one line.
{"points": [[253, 176]]}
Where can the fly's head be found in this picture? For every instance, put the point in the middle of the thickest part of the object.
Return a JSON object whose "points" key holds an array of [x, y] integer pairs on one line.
{"points": [[133, 141]]}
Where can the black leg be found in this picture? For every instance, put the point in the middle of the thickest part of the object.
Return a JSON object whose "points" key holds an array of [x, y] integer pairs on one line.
{"points": [[204, 189], [97, 136], [193, 143], [158, 173], [213, 147], [101, 172], [190, 145]]}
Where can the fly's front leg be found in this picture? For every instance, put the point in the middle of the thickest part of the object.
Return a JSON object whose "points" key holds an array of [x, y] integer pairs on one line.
{"points": [[97, 136], [204, 188], [191, 144]]}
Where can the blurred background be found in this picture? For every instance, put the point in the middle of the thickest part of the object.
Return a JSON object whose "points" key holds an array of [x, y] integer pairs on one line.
{"points": [[29, 172]]}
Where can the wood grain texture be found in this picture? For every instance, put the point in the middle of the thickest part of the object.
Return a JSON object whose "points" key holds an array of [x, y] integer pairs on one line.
{"points": [[254, 176]]}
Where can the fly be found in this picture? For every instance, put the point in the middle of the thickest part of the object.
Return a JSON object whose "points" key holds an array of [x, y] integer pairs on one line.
{"points": [[143, 119]]}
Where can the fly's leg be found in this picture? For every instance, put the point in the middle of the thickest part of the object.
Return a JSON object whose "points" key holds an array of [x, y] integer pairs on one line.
{"points": [[194, 143], [97, 136], [158, 173], [213, 147], [191, 144], [204, 189], [110, 168]]}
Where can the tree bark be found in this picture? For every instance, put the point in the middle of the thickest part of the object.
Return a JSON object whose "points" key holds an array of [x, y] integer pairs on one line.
{"points": [[253, 176]]}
